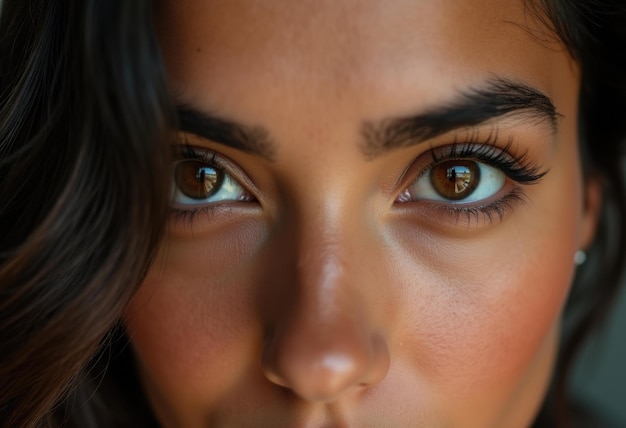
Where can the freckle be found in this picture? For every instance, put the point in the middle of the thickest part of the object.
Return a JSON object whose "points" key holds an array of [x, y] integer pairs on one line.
{"points": [[198, 50]]}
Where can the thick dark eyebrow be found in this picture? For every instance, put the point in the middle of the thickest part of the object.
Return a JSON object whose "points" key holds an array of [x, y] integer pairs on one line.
{"points": [[497, 98], [250, 139]]}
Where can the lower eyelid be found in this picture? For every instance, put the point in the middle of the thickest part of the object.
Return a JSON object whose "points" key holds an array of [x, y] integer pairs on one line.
{"points": [[499, 207], [474, 215], [203, 217]]}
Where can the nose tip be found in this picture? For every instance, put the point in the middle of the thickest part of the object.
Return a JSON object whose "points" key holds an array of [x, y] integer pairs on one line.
{"points": [[318, 379], [325, 367]]}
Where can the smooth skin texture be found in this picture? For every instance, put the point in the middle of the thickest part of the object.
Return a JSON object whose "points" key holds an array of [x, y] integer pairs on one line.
{"points": [[325, 298]]}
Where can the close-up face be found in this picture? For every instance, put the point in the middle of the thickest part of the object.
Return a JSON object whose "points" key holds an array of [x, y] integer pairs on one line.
{"points": [[376, 206]]}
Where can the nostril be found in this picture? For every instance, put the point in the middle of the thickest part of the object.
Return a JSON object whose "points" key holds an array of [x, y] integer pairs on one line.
{"points": [[324, 371], [319, 378]]}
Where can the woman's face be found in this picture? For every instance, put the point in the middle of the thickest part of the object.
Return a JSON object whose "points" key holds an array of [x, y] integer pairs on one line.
{"points": [[376, 209]]}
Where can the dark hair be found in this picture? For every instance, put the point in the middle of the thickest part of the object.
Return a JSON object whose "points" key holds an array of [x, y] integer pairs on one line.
{"points": [[83, 185], [84, 176]]}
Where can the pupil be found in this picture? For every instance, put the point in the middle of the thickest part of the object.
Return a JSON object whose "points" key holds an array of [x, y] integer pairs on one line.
{"points": [[455, 179]]}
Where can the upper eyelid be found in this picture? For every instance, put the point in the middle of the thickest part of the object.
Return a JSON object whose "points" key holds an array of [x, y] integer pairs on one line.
{"points": [[219, 160], [486, 152], [484, 135], [522, 167]]}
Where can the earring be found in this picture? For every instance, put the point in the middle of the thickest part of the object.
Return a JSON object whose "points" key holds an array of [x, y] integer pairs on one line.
{"points": [[580, 257]]}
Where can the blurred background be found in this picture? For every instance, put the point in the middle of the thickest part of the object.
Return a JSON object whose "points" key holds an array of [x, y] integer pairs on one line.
{"points": [[600, 375]]}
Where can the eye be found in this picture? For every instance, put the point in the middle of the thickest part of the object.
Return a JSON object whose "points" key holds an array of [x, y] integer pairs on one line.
{"points": [[201, 182], [456, 181]]}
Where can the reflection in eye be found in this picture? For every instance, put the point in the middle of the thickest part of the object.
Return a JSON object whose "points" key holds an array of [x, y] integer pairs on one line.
{"points": [[457, 181], [196, 182]]}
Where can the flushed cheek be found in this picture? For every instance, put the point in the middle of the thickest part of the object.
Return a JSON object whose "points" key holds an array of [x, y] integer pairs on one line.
{"points": [[191, 325], [481, 316], [514, 342], [185, 363]]}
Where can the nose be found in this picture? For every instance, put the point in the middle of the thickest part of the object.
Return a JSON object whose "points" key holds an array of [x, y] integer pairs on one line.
{"points": [[323, 340]]}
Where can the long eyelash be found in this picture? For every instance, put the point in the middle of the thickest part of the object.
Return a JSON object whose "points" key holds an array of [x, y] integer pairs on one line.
{"points": [[520, 169], [186, 152]]}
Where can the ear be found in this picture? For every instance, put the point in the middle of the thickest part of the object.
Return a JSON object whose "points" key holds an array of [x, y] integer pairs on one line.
{"points": [[592, 204]]}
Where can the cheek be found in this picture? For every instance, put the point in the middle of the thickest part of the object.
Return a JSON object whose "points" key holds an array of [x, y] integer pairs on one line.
{"points": [[482, 311], [482, 329], [191, 323]]}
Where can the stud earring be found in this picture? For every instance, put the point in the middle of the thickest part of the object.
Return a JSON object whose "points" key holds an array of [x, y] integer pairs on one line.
{"points": [[580, 257]]}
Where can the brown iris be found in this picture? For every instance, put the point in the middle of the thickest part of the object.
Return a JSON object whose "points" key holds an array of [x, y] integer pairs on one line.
{"points": [[197, 180], [455, 179]]}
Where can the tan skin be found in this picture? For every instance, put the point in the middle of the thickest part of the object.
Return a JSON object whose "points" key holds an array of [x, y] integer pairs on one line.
{"points": [[336, 291]]}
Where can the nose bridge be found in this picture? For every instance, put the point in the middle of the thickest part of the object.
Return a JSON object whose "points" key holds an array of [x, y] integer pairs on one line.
{"points": [[324, 259], [322, 236], [323, 338]]}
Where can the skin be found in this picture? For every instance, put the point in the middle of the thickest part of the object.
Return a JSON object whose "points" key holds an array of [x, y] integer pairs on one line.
{"points": [[324, 301]]}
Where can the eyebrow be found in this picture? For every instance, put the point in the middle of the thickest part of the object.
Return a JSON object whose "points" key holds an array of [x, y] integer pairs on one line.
{"points": [[496, 99], [250, 139]]}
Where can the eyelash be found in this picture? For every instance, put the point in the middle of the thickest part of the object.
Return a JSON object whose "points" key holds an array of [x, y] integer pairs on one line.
{"points": [[487, 213], [185, 151], [520, 169]]}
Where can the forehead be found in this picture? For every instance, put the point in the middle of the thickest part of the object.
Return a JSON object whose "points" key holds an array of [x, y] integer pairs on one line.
{"points": [[285, 51]]}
